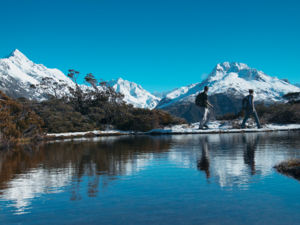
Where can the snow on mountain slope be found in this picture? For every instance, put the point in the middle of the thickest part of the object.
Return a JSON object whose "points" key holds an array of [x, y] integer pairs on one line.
{"points": [[160, 94], [134, 94], [18, 73], [233, 79], [180, 91]]}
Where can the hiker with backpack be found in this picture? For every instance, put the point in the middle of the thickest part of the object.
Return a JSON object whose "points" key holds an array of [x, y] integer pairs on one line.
{"points": [[203, 103], [248, 107]]}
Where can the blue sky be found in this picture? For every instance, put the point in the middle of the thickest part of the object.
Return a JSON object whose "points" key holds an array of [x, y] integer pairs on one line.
{"points": [[160, 44]]}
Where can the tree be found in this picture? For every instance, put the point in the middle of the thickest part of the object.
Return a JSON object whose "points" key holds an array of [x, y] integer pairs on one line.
{"points": [[90, 78], [77, 97], [52, 88]]}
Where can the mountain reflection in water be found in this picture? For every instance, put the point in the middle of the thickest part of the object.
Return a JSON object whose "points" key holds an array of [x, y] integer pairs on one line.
{"points": [[25, 174], [90, 166]]}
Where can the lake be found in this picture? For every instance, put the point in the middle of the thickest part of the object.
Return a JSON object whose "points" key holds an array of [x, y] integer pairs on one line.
{"points": [[171, 179]]}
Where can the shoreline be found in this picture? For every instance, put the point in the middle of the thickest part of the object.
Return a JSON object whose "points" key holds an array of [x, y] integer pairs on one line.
{"points": [[175, 130]]}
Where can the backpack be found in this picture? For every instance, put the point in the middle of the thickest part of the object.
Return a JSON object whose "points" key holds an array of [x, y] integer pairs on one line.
{"points": [[245, 103], [200, 100]]}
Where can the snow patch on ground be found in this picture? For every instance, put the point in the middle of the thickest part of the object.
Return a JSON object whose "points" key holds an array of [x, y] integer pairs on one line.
{"points": [[214, 127], [221, 127], [86, 133]]}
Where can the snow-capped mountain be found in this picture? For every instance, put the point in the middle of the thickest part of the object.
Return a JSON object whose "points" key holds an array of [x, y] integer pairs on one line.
{"points": [[236, 79], [18, 76], [174, 95], [228, 83], [134, 94]]}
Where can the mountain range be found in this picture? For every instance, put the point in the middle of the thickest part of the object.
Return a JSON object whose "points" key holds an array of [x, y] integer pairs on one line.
{"points": [[20, 77], [228, 83]]}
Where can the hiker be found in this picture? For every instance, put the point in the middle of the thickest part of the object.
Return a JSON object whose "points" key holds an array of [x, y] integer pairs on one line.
{"points": [[248, 106], [203, 103]]}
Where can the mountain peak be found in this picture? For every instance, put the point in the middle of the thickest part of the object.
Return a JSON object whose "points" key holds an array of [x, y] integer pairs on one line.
{"points": [[232, 66], [228, 69], [120, 79], [122, 82], [134, 93], [18, 55]]}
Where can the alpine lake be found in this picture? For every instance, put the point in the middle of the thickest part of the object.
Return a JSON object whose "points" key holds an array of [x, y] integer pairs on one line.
{"points": [[166, 179]]}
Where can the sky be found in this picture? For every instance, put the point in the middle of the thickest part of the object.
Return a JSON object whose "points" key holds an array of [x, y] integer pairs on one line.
{"points": [[160, 44]]}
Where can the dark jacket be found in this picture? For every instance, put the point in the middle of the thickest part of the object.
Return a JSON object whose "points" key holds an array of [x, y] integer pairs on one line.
{"points": [[250, 103], [205, 99]]}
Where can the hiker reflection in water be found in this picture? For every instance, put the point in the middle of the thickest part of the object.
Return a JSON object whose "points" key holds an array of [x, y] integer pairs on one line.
{"points": [[203, 163], [251, 142]]}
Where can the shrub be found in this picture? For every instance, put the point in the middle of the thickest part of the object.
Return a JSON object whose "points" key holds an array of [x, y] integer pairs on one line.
{"points": [[96, 108], [59, 116], [17, 122], [287, 113], [290, 167]]}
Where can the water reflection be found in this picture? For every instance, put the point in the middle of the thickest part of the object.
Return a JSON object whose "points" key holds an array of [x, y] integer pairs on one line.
{"points": [[87, 168], [27, 174], [203, 163], [249, 153], [235, 159]]}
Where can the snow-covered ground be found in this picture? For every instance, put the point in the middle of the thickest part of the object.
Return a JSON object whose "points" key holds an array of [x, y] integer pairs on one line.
{"points": [[214, 127], [92, 132], [221, 127]]}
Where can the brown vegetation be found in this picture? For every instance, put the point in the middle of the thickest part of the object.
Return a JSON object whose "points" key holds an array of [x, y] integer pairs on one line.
{"points": [[280, 113], [18, 123], [283, 113], [290, 167], [98, 107]]}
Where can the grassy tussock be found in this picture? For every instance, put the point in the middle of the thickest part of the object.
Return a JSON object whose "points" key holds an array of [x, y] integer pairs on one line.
{"points": [[290, 167], [18, 123]]}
